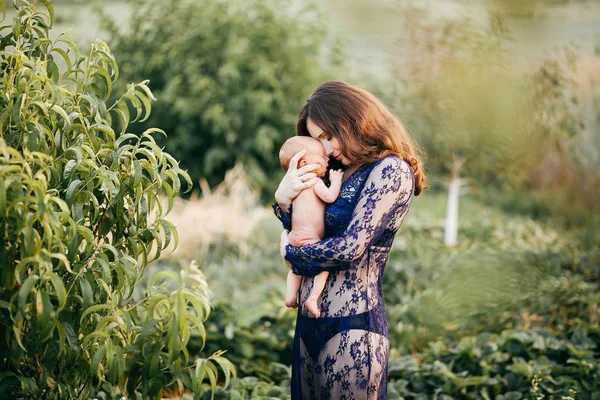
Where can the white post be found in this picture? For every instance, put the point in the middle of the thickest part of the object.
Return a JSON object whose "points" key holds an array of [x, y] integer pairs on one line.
{"points": [[451, 224]]}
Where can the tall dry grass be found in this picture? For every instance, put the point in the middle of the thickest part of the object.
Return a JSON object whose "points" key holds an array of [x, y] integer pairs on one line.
{"points": [[228, 214]]}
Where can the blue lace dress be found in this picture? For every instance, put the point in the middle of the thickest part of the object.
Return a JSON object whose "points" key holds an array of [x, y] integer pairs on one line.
{"points": [[344, 353]]}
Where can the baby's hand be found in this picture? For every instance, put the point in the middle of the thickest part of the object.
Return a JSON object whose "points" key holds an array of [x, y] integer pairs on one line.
{"points": [[335, 175]]}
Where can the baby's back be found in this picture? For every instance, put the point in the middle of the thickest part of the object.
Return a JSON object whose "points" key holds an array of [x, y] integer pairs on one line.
{"points": [[308, 218]]}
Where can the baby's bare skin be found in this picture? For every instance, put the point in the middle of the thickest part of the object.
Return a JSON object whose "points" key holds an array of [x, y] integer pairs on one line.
{"points": [[308, 216], [308, 226], [307, 219]]}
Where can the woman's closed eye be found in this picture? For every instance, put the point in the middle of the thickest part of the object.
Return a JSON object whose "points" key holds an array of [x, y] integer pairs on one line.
{"points": [[324, 136]]}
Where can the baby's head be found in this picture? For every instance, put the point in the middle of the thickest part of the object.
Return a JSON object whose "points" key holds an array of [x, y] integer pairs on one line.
{"points": [[315, 153]]}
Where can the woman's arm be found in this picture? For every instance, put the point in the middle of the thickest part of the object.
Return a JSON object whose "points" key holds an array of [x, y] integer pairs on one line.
{"points": [[283, 216], [389, 185]]}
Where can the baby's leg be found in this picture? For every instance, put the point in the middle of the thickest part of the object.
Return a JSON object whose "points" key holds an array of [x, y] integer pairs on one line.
{"points": [[302, 237], [293, 285], [318, 286]]}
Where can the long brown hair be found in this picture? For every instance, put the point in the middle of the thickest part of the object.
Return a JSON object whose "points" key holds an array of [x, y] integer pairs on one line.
{"points": [[365, 127]]}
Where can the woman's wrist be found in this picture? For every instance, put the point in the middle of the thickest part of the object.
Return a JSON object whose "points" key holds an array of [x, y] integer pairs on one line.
{"points": [[283, 202]]}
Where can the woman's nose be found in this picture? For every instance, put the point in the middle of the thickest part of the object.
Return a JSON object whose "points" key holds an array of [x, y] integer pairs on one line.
{"points": [[327, 147]]}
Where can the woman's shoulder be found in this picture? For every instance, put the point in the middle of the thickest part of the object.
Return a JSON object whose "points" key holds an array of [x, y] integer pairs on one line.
{"points": [[393, 163], [395, 171]]}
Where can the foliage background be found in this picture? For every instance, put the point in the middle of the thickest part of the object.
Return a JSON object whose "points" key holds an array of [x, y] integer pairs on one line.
{"points": [[511, 312], [231, 77]]}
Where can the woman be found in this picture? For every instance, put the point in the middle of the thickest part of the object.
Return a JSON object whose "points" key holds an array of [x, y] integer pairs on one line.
{"points": [[344, 353]]}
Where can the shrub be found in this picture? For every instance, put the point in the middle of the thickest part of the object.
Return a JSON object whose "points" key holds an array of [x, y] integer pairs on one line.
{"points": [[505, 125], [230, 77], [75, 232]]}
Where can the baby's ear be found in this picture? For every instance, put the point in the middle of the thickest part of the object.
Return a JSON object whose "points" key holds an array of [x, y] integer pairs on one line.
{"points": [[302, 162]]}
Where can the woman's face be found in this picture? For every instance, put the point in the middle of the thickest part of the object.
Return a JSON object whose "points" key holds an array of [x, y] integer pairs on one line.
{"points": [[316, 155], [332, 146]]}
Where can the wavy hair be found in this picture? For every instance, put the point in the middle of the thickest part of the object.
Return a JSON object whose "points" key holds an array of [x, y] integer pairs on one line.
{"points": [[366, 129]]}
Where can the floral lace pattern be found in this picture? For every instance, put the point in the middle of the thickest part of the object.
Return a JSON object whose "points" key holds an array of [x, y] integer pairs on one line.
{"points": [[344, 353]]}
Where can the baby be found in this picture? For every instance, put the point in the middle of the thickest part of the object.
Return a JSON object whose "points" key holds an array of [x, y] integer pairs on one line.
{"points": [[308, 216]]}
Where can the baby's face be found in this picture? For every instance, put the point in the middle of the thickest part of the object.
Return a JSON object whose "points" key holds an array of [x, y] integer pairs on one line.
{"points": [[316, 155]]}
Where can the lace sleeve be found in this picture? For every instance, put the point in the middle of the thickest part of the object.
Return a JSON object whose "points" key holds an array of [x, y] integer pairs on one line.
{"points": [[388, 186], [285, 218]]}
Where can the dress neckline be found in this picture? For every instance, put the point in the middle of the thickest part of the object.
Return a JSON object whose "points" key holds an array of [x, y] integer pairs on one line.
{"points": [[355, 172]]}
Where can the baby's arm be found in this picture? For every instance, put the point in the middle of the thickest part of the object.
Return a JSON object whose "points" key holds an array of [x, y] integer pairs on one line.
{"points": [[329, 194]]}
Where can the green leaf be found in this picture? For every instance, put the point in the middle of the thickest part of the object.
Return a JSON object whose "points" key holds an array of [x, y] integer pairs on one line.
{"points": [[155, 360], [17, 27], [59, 287], [65, 57], [29, 235], [86, 291], [167, 275], [62, 338], [25, 291], [2, 198], [112, 249], [122, 138], [72, 191], [62, 258], [97, 360], [227, 367], [147, 106], [44, 310], [104, 267], [60, 111], [50, 9], [211, 372], [200, 372], [93, 309]]}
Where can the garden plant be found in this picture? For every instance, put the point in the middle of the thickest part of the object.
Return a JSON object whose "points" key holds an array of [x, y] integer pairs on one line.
{"points": [[80, 218]]}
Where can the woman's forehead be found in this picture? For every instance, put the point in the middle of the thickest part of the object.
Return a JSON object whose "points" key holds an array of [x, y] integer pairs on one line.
{"points": [[313, 128]]}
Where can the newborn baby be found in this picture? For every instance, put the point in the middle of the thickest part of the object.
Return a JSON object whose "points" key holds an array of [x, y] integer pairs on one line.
{"points": [[308, 216]]}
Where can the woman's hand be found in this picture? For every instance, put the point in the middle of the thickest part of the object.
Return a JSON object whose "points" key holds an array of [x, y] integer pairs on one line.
{"points": [[295, 180], [284, 241]]}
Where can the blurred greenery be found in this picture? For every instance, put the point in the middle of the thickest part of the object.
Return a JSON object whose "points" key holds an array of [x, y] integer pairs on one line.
{"points": [[527, 131], [230, 78], [510, 312]]}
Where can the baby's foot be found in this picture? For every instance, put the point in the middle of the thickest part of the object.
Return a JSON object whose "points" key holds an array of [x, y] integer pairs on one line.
{"points": [[311, 305], [292, 302]]}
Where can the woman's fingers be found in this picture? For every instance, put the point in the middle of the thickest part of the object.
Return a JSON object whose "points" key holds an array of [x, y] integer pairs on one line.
{"points": [[308, 168], [310, 182], [308, 176], [283, 241], [306, 184], [295, 158]]}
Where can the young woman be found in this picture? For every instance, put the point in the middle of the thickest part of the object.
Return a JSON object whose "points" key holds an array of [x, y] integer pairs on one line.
{"points": [[344, 353]]}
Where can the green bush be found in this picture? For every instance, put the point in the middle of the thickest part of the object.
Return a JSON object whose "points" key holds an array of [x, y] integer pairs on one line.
{"points": [[480, 115], [502, 366], [80, 218], [230, 77], [249, 319]]}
